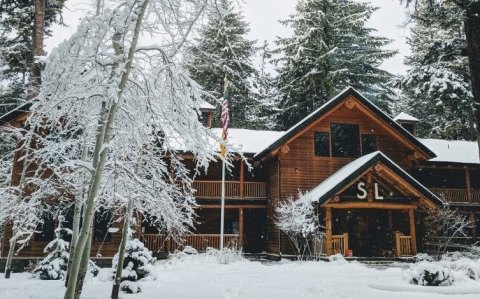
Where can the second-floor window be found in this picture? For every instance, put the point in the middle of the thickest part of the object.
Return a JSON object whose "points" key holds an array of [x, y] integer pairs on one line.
{"points": [[322, 144], [369, 143], [345, 140]]}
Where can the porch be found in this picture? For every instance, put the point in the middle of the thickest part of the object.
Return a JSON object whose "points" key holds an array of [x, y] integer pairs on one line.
{"points": [[233, 189], [160, 243], [470, 195]]}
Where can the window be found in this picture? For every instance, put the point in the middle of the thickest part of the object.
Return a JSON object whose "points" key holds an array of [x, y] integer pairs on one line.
{"points": [[45, 230], [103, 220], [345, 140], [322, 147], [369, 143]]}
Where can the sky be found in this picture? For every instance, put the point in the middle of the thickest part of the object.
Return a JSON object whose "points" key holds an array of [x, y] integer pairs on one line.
{"points": [[263, 16]]}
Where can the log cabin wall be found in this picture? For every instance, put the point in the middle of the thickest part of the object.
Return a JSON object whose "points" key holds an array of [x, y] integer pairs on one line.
{"points": [[301, 170], [273, 187]]}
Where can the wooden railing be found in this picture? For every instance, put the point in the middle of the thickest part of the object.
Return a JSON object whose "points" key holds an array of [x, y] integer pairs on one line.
{"points": [[476, 196], [340, 244], [454, 195], [213, 189], [159, 243], [403, 245]]}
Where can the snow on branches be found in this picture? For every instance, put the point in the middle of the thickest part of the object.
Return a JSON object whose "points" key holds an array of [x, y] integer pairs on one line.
{"points": [[54, 265], [297, 218]]}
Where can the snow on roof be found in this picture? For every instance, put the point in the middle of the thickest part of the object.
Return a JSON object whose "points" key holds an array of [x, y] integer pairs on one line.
{"points": [[249, 141], [453, 150], [339, 176], [406, 117], [207, 106]]}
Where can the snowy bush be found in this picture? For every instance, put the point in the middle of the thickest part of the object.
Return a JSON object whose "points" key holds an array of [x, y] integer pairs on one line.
{"points": [[54, 266], [429, 274], [297, 219], [138, 264], [226, 255]]}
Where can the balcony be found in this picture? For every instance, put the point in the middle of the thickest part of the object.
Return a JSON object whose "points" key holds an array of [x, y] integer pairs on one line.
{"points": [[233, 189], [470, 196]]}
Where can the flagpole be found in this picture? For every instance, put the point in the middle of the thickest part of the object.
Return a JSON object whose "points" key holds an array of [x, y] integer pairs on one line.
{"points": [[222, 213]]}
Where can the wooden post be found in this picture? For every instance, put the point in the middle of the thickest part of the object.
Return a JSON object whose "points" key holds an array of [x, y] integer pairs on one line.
{"points": [[345, 244], [413, 235], [469, 188], [398, 249], [369, 187], [240, 227], [328, 230], [242, 180]]}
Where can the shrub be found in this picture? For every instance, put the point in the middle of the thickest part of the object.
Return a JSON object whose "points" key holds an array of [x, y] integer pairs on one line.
{"points": [[429, 274]]}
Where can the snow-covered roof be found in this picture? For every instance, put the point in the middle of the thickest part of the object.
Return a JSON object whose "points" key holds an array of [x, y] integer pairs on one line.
{"points": [[207, 106], [249, 141], [453, 150], [405, 117], [345, 175]]}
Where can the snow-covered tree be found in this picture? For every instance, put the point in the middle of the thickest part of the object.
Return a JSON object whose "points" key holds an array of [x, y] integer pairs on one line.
{"points": [[443, 226], [223, 53], [437, 85], [297, 218], [470, 17], [134, 109], [54, 265], [331, 48], [17, 20], [136, 262]]}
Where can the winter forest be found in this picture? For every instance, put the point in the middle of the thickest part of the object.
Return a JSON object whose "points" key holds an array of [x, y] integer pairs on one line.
{"points": [[117, 145]]}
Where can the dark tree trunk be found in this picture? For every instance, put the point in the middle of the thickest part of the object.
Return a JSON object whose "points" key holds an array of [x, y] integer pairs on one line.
{"points": [[472, 33], [38, 36]]}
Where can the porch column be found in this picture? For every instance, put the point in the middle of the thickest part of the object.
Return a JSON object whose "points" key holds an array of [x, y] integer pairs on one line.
{"points": [[328, 230], [240, 227], [242, 171], [467, 185], [413, 235]]}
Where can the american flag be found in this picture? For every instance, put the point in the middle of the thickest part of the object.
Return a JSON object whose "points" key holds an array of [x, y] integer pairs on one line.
{"points": [[224, 124]]}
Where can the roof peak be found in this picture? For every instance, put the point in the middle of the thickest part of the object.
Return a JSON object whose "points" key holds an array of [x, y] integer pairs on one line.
{"points": [[405, 117]]}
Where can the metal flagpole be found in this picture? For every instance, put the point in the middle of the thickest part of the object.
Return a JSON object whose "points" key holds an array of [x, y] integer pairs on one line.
{"points": [[222, 213], [223, 147]]}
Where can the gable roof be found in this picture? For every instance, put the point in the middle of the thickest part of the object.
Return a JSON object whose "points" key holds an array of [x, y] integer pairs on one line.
{"points": [[349, 91], [405, 117], [345, 175], [453, 151]]}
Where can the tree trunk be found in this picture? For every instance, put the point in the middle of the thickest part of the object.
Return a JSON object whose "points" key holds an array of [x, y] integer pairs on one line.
{"points": [[121, 251], [472, 33], [84, 264], [37, 42], [100, 154]]}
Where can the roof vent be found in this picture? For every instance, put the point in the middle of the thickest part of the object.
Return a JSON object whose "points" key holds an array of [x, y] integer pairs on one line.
{"points": [[408, 122]]}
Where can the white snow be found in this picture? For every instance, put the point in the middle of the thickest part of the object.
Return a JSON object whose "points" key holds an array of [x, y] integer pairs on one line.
{"points": [[249, 141], [456, 151], [202, 277], [207, 106], [406, 117]]}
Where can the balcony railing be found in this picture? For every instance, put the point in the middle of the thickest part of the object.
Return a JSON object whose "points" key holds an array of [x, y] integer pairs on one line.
{"points": [[233, 189], [458, 195], [160, 243]]}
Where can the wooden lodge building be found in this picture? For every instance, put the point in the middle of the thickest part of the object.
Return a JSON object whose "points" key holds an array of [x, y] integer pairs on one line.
{"points": [[371, 178]]}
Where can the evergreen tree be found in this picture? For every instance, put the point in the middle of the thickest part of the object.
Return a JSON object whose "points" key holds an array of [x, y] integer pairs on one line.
{"points": [[16, 46], [331, 48], [223, 52], [54, 266], [437, 85]]}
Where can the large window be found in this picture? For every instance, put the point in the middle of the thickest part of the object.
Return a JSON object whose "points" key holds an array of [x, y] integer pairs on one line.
{"points": [[369, 143], [103, 221], [45, 229], [345, 140], [322, 146]]}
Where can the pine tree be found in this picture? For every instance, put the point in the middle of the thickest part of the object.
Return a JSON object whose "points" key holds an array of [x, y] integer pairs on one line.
{"points": [[223, 52], [16, 46], [331, 48], [138, 263], [54, 265], [437, 85]]}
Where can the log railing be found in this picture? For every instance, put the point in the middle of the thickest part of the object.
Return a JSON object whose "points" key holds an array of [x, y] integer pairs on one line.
{"points": [[476, 196], [340, 244], [213, 189], [455, 195], [403, 245], [159, 243]]}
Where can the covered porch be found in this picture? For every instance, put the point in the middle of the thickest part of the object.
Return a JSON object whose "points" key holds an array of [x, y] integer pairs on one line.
{"points": [[372, 208]]}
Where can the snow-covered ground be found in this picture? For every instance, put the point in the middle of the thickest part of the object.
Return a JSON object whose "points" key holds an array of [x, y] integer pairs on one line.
{"points": [[203, 277]]}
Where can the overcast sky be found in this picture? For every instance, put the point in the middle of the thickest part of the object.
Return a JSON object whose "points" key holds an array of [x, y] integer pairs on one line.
{"points": [[263, 16]]}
